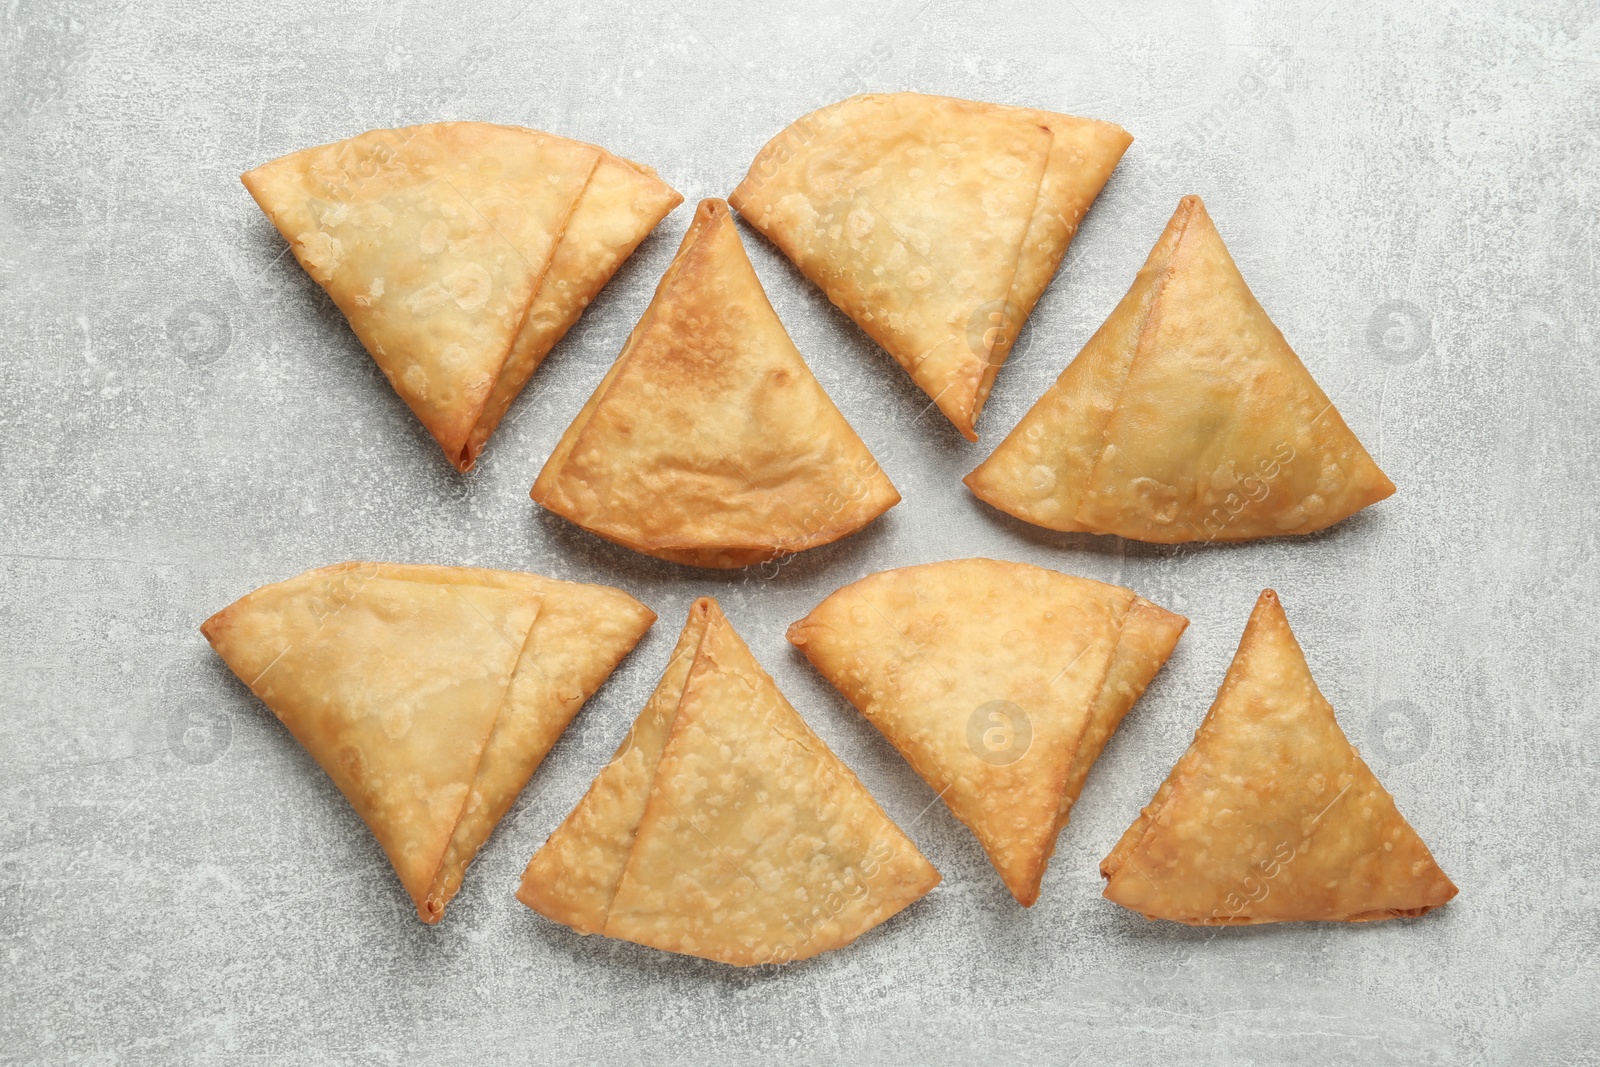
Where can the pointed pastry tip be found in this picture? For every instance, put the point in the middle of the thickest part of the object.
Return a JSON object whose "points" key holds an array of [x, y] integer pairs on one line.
{"points": [[710, 442], [1186, 417], [1271, 815]]}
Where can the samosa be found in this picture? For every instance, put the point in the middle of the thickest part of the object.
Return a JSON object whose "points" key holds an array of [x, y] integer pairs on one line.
{"points": [[934, 223], [1271, 815], [1187, 417], [460, 253], [999, 682], [429, 695], [723, 827], [709, 442]]}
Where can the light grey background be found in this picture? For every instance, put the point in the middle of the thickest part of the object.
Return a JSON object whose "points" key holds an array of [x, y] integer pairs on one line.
{"points": [[184, 416]]}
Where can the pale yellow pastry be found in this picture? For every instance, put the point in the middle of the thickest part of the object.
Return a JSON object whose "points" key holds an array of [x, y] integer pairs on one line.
{"points": [[723, 827], [934, 223], [428, 694], [1187, 417], [999, 682], [709, 442], [1271, 815], [460, 252]]}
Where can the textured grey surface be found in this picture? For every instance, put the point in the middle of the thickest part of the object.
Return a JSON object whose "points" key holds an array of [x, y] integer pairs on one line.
{"points": [[184, 416]]}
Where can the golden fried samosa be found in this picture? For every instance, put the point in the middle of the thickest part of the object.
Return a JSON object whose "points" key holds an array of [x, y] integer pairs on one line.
{"points": [[429, 694], [1187, 417], [709, 442], [723, 827], [1271, 815], [460, 252], [934, 223], [999, 682]]}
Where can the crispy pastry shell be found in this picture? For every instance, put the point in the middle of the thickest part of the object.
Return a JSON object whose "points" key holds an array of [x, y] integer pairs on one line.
{"points": [[709, 442], [723, 827], [1272, 815], [447, 248], [428, 694], [1186, 417], [998, 682], [934, 223]]}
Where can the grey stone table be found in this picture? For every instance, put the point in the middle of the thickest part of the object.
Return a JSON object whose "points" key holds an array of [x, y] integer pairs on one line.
{"points": [[184, 416]]}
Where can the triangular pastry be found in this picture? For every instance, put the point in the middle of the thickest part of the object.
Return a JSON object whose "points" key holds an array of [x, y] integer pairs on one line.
{"points": [[934, 223], [999, 682], [1271, 815], [445, 247], [723, 827], [428, 694], [709, 442], [1187, 417]]}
